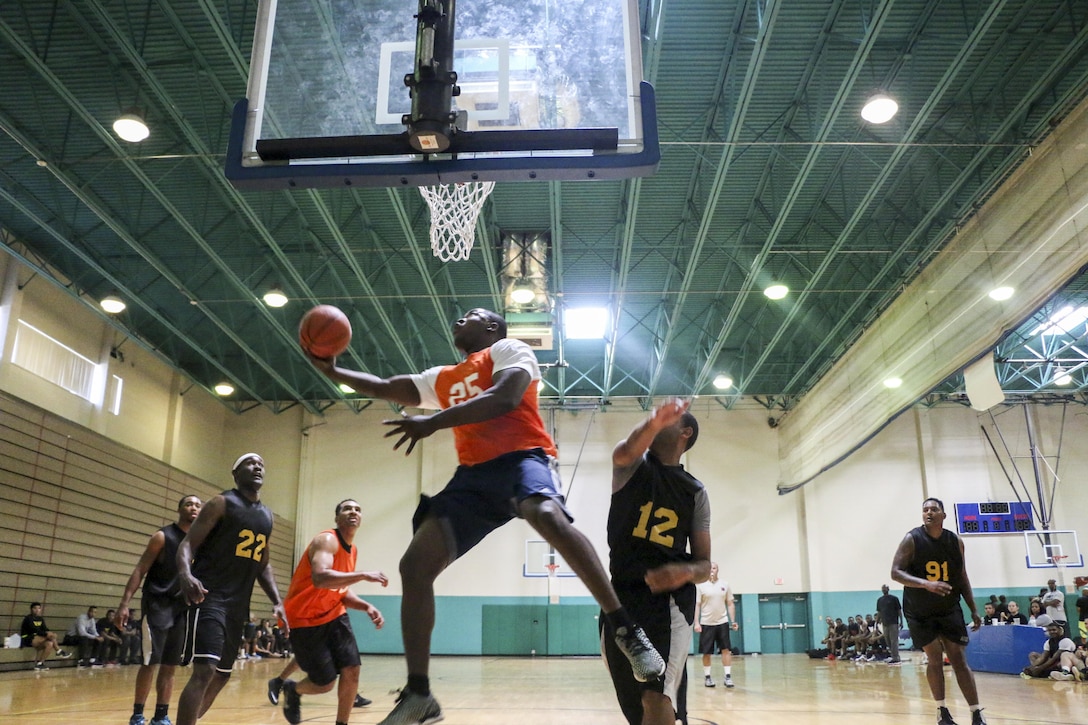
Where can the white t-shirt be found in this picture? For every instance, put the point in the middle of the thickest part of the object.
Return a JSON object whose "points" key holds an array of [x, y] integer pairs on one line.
{"points": [[713, 597], [1055, 605], [1064, 645]]}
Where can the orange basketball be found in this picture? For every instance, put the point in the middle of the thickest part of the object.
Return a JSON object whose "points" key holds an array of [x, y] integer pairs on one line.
{"points": [[324, 331]]}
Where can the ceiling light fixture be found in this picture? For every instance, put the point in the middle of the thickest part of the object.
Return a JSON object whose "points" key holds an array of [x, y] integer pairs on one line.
{"points": [[1062, 378], [776, 291], [346, 389], [275, 297], [112, 304], [1000, 294], [224, 389], [721, 382], [880, 108], [131, 127], [893, 382], [522, 293]]}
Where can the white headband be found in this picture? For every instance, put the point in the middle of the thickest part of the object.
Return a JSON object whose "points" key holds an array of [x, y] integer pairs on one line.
{"points": [[242, 458]]}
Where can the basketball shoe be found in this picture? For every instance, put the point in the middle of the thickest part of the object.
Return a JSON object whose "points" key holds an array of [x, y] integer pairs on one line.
{"points": [[292, 703], [944, 717], [977, 719], [164, 720], [413, 709], [137, 720], [728, 681], [646, 663], [360, 701], [275, 686], [708, 681]]}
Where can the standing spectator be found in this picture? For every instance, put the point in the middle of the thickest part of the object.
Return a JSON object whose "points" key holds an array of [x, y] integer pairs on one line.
{"points": [[225, 551], [1015, 615], [162, 607], [84, 633], [1053, 600], [34, 633], [930, 564], [716, 616], [890, 612], [1082, 615], [659, 548]]}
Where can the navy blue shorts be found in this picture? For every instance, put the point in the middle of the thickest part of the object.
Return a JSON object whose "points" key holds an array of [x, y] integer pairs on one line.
{"points": [[323, 651], [479, 499]]}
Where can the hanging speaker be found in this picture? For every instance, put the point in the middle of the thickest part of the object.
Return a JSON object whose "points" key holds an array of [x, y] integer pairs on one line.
{"points": [[980, 381]]}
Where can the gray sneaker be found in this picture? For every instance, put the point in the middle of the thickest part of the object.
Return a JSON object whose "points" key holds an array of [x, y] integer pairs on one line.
{"points": [[413, 709], [646, 663]]}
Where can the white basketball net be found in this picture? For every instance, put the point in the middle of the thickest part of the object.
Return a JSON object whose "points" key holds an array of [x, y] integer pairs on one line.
{"points": [[454, 210]]}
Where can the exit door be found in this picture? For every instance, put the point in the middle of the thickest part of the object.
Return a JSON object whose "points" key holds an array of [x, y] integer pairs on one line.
{"points": [[783, 623]]}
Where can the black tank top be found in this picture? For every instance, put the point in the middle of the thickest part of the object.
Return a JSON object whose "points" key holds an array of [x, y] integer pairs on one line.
{"points": [[937, 559], [161, 582], [229, 559]]}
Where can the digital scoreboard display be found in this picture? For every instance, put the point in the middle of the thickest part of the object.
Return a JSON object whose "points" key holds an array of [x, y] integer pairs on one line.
{"points": [[994, 517]]}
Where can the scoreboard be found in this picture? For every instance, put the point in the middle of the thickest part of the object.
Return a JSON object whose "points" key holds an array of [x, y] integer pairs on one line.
{"points": [[994, 517]]}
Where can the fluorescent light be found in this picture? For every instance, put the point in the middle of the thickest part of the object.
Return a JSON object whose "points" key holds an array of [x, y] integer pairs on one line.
{"points": [[1000, 294], [585, 323], [721, 382], [275, 297], [893, 382], [113, 304], [131, 127], [880, 108], [1062, 378], [346, 389], [224, 389], [1064, 321], [776, 291]]}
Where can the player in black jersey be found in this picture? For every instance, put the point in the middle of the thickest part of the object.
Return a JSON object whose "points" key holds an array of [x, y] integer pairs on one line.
{"points": [[162, 605], [228, 549], [929, 563], [659, 548]]}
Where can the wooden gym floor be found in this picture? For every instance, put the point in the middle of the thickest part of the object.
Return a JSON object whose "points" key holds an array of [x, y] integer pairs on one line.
{"points": [[771, 690]]}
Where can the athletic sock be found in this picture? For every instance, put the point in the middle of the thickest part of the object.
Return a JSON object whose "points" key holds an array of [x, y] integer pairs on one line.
{"points": [[138, 708], [728, 670], [706, 672], [420, 684], [161, 710], [977, 707], [620, 619]]}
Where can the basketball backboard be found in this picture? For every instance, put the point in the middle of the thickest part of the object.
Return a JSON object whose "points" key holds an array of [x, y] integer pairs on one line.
{"points": [[545, 90], [1052, 549]]}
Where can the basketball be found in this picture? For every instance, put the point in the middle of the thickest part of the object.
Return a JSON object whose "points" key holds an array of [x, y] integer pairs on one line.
{"points": [[324, 331]]}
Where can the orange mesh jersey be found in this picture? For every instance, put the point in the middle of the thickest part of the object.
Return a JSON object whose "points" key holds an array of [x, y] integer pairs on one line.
{"points": [[309, 606], [519, 430]]}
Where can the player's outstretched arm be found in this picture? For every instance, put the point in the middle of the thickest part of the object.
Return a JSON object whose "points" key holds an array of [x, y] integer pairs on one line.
{"points": [[630, 450], [397, 389]]}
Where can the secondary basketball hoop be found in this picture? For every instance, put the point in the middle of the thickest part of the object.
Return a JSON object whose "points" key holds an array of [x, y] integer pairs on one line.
{"points": [[454, 211]]}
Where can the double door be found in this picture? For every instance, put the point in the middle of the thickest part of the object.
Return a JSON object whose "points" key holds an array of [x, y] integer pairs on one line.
{"points": [[783, 622]]}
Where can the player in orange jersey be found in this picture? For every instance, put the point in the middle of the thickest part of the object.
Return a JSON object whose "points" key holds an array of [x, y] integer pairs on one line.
{"points": [[507, 469]]}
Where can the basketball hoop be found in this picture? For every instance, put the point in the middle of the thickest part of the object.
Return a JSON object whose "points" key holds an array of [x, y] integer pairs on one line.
{"points": [[552, 569], [1059, 561], [454, 210]]}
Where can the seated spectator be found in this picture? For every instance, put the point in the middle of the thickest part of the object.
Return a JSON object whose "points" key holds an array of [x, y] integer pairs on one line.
{"points": [[132, 640], [1035, 610], [249, 637], [34, 633], [1015, 616], [84, 634], [990, 614], [111, 639], [1058, 659]]}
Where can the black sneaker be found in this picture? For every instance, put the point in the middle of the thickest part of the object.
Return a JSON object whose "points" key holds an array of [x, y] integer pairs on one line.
{"points": [[944, 717], [275, 685], [976, 717], [413, 709], [137, 720], [40, 667], [63, 654], [646, 663], [708, 681], [292, 703], [360, 701]]}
